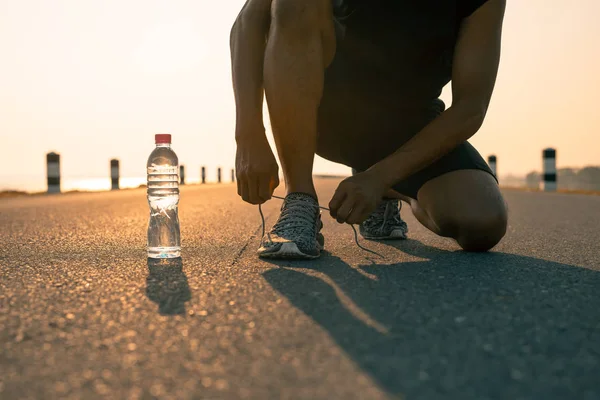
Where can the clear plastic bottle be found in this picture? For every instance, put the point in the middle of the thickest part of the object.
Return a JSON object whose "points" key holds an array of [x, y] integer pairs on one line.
{"points": [[163, 197]]}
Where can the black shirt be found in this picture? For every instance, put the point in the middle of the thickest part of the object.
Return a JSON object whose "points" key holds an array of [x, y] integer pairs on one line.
{"points": [[393, 58], [404, 46]]}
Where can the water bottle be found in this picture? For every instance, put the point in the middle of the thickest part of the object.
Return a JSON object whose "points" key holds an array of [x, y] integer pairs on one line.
{"points": [[163, 197]]}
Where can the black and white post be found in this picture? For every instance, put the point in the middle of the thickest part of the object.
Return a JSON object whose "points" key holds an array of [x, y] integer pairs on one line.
{"points": [[53, 172], [549, 160], [182, 175], [232, 175], [114, 174], [203, 174], [492, 162], [219, 175]]}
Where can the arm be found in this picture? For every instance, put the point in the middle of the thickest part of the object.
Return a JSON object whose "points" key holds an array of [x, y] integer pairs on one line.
{"points": [[247, 43], [475, 66], [256, 168]]}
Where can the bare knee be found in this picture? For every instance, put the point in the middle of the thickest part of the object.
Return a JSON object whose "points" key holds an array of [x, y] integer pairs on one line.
{"points": [[483, 233], [467, 206], [477, 233]]}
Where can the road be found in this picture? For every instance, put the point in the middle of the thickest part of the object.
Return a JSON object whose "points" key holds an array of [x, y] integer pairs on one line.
{"points": [[85, 316]]}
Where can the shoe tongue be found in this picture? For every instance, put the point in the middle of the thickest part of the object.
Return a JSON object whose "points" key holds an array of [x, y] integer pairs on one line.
{"points": [[390, 203], [392, 212], [301, 197]]}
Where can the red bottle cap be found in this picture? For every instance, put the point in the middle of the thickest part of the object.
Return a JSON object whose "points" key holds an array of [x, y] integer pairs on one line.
{"points": [[162, 138]]}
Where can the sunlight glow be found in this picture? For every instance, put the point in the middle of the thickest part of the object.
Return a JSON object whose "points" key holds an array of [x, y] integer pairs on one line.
{"points": [[99, 184], [169, 48], [95, 80]]}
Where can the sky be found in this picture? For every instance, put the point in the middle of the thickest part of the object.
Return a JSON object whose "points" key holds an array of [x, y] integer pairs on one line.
{"points": [[96, 79]]}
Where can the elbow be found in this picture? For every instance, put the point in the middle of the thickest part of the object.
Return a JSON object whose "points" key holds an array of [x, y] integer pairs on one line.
{"points": [[472, 116], [238, 27], [234, 32], [248, 24], [475, 121]]}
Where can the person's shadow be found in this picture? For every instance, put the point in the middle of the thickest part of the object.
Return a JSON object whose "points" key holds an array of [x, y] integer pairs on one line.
{"points": [[458, 325], [167, 285]]}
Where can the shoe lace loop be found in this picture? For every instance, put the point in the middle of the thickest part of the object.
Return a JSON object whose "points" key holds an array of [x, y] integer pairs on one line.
{"points": [[295, 218], [305, 213], [386, 215], [391, 216]]}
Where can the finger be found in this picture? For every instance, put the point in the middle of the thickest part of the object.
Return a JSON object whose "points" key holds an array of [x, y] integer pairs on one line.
{"points": [[345, 210], [336, 201], [274, 183], [264, 188], [358, 215], [253, 188], [243, 185], [239, 185]]}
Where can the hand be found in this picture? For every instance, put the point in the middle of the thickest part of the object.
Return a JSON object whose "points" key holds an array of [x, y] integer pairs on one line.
{"points": [[356, 198], [256, 169]]}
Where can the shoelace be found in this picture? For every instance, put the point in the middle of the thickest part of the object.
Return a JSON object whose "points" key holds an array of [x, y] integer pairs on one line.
{"points": [[387, 213], [262, 217], [390, 215], [380, 214], [295, 216]]}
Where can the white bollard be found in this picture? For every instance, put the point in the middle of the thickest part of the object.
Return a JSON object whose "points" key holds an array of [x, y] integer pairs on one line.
{"points": [[53, 172], [492, 162], [549, 160], [114, 174]]}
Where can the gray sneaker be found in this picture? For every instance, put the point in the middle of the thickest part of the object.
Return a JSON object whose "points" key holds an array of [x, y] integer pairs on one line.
{"points": [[385, 222], [296, 234]]}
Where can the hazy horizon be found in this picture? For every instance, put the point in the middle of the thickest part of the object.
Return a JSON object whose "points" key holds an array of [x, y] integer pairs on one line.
{"points": [[96, 80]]}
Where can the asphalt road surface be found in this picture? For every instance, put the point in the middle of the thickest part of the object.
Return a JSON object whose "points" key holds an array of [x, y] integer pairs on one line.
{"points": [[83, 315]]}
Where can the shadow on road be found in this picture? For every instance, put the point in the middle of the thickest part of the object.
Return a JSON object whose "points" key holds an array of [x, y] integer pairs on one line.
{"points": [[167, 285], [458, 325]]}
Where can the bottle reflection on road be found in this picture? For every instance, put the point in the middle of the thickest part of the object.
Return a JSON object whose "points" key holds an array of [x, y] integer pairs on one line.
{"points": [[167, 285]]}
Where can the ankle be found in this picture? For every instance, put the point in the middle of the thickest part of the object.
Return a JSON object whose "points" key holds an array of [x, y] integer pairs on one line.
{"points": [[300, 189]]}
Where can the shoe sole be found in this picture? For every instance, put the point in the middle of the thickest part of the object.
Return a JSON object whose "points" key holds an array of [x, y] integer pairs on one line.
{"points": [[289, 251], [394, 235]]}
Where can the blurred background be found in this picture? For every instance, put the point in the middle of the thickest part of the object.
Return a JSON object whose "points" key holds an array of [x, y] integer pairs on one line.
{"points": [[95, 80]]}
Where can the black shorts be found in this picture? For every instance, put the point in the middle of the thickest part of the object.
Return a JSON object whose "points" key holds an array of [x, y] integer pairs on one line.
{"points": [[360, 122]]}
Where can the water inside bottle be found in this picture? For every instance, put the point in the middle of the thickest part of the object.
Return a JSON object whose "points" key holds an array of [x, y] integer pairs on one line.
{"points": [[163, 198]]}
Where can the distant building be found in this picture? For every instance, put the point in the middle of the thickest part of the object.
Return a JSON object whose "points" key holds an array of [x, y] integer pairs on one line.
{"points": [[587, 178]]}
